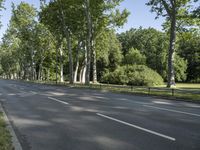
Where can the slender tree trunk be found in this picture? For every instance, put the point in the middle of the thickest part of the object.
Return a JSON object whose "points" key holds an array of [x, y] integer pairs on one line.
{"points": [[68, 37], [89, 35], [77, 63], [171, 73], [94, 63], [70, 57], [57, 63], [40, 71], [57, 49], [48, 74], [61, 63], [32, 69], [83, 70], [83, 73]]}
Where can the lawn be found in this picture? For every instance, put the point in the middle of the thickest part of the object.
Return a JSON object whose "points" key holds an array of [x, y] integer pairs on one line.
{"points": [[182, 91], [188, 85], [5, 137]]}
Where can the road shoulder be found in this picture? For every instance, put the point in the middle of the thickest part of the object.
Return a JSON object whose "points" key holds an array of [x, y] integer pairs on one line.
{"points": [[15, 141]]}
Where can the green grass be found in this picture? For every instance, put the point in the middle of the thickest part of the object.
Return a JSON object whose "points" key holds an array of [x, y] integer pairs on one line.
{"points": [[188, 85], [185, 86], [5, 137], [189, 92], [182, 91]]}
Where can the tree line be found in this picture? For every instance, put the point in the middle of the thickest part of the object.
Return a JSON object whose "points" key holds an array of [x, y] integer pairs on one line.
{"points": [[76, 41]]}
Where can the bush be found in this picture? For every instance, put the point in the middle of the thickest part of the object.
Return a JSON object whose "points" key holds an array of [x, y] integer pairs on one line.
{"points": [[133, 75], [116, 77]]}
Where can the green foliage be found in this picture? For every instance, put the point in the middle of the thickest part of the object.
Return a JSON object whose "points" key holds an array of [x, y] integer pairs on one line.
{"points": [[142, 75], [134, 57], [151, 43], [133, 75], [189, 43], [29, 45], [116, 77], [108, 51], [180, 67]]}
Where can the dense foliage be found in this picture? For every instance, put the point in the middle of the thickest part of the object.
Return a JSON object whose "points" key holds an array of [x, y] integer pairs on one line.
{"points": [[76, 41], [139, 75]]}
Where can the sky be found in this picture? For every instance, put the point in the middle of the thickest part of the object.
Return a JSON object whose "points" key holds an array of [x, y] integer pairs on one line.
{"points": [[140, 15]]}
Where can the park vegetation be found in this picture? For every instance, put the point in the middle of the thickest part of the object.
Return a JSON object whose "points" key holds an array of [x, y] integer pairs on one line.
{"points": [[76, 41]]}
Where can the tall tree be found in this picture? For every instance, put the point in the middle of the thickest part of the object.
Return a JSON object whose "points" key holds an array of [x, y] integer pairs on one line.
{"points": [[23, 22], [104, 15], [172, 10], [89, 39], [64, 18]]}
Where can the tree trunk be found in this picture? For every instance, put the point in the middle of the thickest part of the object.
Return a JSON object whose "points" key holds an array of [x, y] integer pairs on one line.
{"points": [[77, 63], [89, 35], [171, 73], [32, 69], [70, 57], [57, 63], [67, 36], [83, 73], [48, 74], [61, 64], [83, 70], [94, 63], [40, 71]]}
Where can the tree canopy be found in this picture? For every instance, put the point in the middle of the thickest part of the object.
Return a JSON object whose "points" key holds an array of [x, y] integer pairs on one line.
{"points": [[76, 41]]}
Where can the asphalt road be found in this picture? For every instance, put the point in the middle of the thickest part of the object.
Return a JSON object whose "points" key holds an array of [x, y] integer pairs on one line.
{"points": [[60, 118]]}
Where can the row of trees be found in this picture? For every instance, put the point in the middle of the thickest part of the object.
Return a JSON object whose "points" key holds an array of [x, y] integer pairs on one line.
{"points": [[36, 41], [76, 41]]}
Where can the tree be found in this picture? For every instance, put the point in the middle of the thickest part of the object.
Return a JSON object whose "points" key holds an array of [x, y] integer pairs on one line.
{"points": [[85, 21], [23, 22], [135, 57], [151, 43], [172, 10], [109, 55], [88, 39], [44, 42], [104, 15], [189, 44], [55, 15]]}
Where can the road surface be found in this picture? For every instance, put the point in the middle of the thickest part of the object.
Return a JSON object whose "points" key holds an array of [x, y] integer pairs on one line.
{"points": [[48, 117]]}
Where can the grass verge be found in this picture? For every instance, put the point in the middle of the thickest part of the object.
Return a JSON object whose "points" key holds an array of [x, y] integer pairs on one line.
{"points": [[5, 137], [183, 91]]}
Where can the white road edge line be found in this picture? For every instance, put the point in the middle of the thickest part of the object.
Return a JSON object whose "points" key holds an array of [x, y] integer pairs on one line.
{"points": [[137, 127], [171, 110], [58, 100]]}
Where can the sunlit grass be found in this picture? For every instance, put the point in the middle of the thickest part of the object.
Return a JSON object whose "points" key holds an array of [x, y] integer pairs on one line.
{"points": [[189, 85], [185, 85], [182, 91]]}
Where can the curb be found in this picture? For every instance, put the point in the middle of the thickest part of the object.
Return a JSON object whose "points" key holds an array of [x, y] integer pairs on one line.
{"points": [[15, 141]]}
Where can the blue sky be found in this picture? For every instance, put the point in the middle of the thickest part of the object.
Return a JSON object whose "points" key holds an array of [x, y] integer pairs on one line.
{"points": [[140, 14]]}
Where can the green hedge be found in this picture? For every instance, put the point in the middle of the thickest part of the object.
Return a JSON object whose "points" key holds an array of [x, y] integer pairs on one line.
{"points": [[133, 75]]}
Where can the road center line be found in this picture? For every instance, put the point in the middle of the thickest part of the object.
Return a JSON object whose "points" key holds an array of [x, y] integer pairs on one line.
{"points": [[171, 110], [137, 127], [54, 99]]}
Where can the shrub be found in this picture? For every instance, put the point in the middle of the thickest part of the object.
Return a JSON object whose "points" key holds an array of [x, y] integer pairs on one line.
{"points": [[116, 77], [133, 75]]}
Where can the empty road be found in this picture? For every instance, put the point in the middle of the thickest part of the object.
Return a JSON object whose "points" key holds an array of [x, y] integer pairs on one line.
{"points": [[48, 117]]}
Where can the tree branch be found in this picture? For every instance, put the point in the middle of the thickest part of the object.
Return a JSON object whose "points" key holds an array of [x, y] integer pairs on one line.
{"points": [[167, 7]]}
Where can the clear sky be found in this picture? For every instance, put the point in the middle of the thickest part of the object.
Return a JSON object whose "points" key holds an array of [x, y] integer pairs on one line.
{"points": [[140, 14]]}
